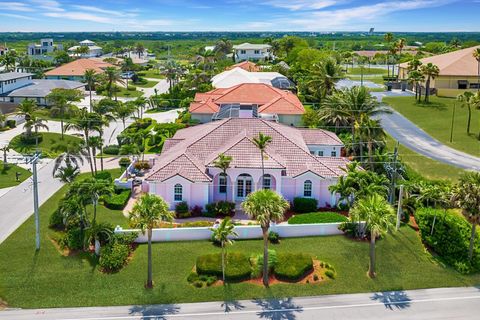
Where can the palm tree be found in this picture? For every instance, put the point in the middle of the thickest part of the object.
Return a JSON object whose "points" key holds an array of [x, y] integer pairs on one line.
{"points": [[94, 189], [124, 110], [139, 49], [112, 77], [223, 47], [262, 141], [323, 77], [147, 212], [223, 163], [430, 71], [399, 46], [5, 148], [91, 78], [466, 196], [455, 43], [379, 217], [265, 206], [71, 155], [372, 131], [27, 108], [8, 60], [62, 103], [471, 101], [94, 232], [67, 174], [388, 37], [476, 55], [416, 77], [222, 234], [95, 143], [82, 50], [35, 123], [104, 108], [172, 71], [205, 57]]}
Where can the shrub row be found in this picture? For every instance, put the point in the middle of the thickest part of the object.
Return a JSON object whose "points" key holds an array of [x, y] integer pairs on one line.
{"points": [[237, 266], [317, 217], [292, 266], [220, 209], [112, 149], [119, 200], [304, 205], [450, 238]]}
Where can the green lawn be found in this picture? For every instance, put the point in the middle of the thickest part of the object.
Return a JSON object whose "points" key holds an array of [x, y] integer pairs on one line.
{"points": [[45, 146], [7, 175], [435, 118], [152, 74], [317, 217], [367, 70], [424, 166], [147, 84], [374, 79], [47, 279], [129, 94]]}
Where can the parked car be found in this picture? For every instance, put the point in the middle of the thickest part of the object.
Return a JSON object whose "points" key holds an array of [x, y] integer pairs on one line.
{"points": [[127, 75]]}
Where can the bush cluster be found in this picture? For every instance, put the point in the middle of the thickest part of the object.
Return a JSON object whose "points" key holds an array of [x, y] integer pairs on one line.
{"points": [[141, 165], [237, 266], [112, 149], [104, 175], [317, 217], [124, 162], [199, 280], [304, 205], [450, 238], [113, 256], [119, 200], [273, 237], [11, 123], [181, 210], [292, 266], [32, 139], [220, 209]]}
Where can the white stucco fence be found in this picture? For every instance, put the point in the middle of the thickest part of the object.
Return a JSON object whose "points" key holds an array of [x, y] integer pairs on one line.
{"points": [[244, 232]]}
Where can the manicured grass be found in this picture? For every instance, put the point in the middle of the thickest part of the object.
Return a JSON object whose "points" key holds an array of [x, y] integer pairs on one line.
{"points": [[435, 118], [129, 94], [147, 84], [374, 79], [424, 166], [367, 70], [152, 74], [7, 175], [46, 145], [47, 279], [317, 217]]}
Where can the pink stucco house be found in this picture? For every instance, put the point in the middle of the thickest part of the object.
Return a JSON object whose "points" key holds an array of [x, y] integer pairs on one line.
{"points": [[298, 163]]}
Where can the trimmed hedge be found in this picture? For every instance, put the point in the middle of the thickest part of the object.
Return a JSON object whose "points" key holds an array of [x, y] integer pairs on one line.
{"points": [[317, 217], [220, 208], [292, 266], [450, 238], [304, 205], [119, 200], [112, 149], [113, 256], [237, 266], [104, 175]]}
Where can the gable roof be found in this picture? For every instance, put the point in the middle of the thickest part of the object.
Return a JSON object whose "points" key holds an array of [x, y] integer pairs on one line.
{"points": [[78, 67], [14, 75], [251, 46], [40, 88], [194, 149], [238, 76], [246, 65], [269, 99], [456, 63], [320, 137]]}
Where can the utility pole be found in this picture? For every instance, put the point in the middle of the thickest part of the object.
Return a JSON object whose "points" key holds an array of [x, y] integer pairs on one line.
{"points": [[34, 161], [399, 208], [453, 120], [394, 174]]}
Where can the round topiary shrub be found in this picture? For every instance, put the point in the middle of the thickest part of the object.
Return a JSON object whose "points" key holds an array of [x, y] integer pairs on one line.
{"points": [[238, 266], [292, 266]]}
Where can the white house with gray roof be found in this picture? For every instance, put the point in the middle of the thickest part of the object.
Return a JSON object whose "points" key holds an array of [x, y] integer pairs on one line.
{"points": [[248, 51]]}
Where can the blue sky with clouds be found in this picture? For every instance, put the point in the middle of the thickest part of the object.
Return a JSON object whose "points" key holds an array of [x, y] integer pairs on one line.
{"points": [[239, 15]]}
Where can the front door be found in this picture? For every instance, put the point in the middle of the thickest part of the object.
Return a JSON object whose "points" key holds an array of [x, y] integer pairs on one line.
{"points": [[244, 186]]}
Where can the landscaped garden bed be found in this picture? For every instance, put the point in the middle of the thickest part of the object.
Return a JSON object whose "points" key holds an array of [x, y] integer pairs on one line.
{"points": [[317, 217], [48, 143]]}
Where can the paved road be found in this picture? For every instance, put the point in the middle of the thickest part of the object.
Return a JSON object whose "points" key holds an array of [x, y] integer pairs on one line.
{"points": [[447, 303], [162, 87], [414, 138]]}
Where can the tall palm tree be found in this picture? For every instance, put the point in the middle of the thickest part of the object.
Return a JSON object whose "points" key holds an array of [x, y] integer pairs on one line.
{"points": [[104, 108], [111, 77], [388, 37], [323, 77], [373, 134], [430, 71], [262, 141], [71, 155], [95, 143], [62, 103], [466, 196], [5, 148], [27, 108], [206, 57], [124, 110], [8, 60], [476, 55], [265, 206], [470, 101], [147, 212], [379, 218], [36, 123], [67, 174], [416, 78], [172, 71], [400, 44], [139, 49], [93, 189], [223, 47], [91, 78], [223, 234], [223, 163]]}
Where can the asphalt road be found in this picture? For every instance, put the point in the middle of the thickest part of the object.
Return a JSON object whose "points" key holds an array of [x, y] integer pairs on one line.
{"points": [[442, 303]]}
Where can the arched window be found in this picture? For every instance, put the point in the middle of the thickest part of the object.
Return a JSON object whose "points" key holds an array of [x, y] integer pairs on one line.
{"points": [[307, 188], [178, 192], [267, 181], [222, 183]]}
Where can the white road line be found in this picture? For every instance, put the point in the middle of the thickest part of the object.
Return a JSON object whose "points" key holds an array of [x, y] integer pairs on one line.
{"points": [[277, 310]]}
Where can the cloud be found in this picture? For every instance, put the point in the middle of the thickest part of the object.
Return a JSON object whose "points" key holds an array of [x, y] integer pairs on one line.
{"points": [[104, 11], [15, 6], [295, 5], [73, 15], [16, 16], [49, 5]]}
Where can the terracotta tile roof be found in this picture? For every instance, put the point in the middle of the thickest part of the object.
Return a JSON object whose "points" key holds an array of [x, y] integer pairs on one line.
{"points": [[246, 65], [195, 148], [78, 67], [320, 137], [270, 99], [456, 63]]}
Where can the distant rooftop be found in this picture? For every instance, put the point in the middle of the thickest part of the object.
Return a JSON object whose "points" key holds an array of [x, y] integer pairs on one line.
{"points": [[41, 88], [251, 46], [14, 75]]}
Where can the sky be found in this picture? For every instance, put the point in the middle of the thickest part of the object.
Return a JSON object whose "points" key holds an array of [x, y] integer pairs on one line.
{"points": [[239, 15]]}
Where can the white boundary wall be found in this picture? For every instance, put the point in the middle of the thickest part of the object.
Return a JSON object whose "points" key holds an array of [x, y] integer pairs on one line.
{"points": [[244, 232]]}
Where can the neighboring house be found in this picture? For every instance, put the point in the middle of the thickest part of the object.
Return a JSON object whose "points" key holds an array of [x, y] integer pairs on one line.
{"points": [[248, 51], [239, 75], [75, 70], [93, 49], [248, 100], [209, 48], [246, 65], [185, 169], [43, 50], [3, 50], [458, 72], [17, 86]]}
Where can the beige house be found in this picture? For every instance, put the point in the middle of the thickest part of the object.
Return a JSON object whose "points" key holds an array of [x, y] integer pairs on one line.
{"points": [[458, 72]]}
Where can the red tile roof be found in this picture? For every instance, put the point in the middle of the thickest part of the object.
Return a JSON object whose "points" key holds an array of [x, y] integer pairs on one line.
{"points": [[194, 149], [246, 65], [78, 67], [271, 100]]}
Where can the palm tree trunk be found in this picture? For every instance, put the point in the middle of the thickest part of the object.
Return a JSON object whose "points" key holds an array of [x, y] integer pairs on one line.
{"points": [[94, 156], [149, 276], [265, 256], [472, 241], [263, 171], [101, 149], [89, 153], [371, 268], [90, 89], [469, 118], [94, 220], [370, 155], [427, 90], [223, 262]]}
